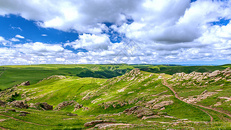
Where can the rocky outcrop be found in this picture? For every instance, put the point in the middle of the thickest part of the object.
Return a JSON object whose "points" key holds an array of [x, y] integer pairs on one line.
{"points": [[214, 73], [77, 106], [19, 104], [71, 114], [65, 104], [194, 99], [2, 103], [196, 75], [151, 103], [93, 123], [112, 125], [150, 117], [139, 111], [43, 106], [162, 104], [26, 83], [114, 104]]}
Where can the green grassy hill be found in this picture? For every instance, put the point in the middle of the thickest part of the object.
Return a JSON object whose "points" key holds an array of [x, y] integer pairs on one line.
{"points": [[13, 75], [112, 93]]}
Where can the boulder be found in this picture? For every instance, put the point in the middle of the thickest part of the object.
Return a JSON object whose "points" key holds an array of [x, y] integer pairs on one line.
{"points": [[27, 83], [150, 117], [112, 126], [44, 106], [22, 114], [19, 104], [65, 104], [214, 73], [78, 106], [139, 111], [85, 108], [12, 110], [93, 123], [71, 114], [162, 104]]}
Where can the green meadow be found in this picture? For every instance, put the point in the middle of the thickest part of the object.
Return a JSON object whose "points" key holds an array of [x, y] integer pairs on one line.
{"points": [[106, 91]]}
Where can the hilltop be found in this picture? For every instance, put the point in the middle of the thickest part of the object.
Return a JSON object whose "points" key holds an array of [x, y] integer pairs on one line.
{"points": [[133, 98]]}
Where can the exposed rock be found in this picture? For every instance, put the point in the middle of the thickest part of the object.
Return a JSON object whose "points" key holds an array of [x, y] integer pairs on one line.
{"points": [[26, 83], [162, 113], [44, 106], [214, 73], [139, 111], [151, 103], [2, 103], [71, 114], [204, 92], [204, 95], [85, 108], [217, 104], [87, 96], [1, 120], [226, 98], [19, 104], [169, 117], [150, 117], [12, 110], [93, 123], [22, 114], [65, 104], [227, 71], [107, 125], [32, 105], [162, 104], [78, 106]]}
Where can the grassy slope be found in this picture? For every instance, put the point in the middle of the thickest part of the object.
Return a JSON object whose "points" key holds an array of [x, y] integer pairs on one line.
{"points": [[13, 75], [221, 88], [143, 88], [55, 91]]}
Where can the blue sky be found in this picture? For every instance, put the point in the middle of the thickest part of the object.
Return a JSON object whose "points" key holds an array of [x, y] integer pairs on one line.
{"points": [[116, 31]]}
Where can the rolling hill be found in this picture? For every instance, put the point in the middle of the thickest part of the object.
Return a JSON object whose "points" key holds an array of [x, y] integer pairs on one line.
{"points": [[115, 96]]}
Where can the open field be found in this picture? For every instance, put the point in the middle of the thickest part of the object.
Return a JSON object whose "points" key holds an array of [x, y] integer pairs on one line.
{"points": [[117, 96]]}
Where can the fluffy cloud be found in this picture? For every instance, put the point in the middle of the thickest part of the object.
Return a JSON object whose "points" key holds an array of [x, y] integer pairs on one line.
{"points": [[160, 31], [91, 42], [174, 21], [34, 53], [83, 16], [39, 47], [19, 36], [14, 40], [3, 41]]}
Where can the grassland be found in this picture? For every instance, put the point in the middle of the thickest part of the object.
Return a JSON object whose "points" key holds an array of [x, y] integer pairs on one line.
{"points": [[105, 91]]}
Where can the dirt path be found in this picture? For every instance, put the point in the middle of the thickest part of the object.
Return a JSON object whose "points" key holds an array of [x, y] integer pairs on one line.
{"points": [[22, 120], [177, 96]]}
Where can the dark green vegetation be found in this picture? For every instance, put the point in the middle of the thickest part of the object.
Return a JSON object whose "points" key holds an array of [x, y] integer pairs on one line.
{"points": [[107, 92], [178, 69]]}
